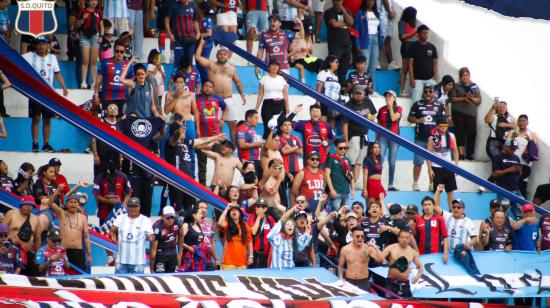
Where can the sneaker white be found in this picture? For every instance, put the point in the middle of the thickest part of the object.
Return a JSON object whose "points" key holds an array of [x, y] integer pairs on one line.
{"points": [[415, 187], [431, 187], [110, 261], [83, 85], [393, 66], [378, 66], [482, 189]]}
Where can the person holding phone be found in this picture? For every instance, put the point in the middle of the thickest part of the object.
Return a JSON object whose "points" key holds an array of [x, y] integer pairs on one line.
{"points": [[52, 259]]}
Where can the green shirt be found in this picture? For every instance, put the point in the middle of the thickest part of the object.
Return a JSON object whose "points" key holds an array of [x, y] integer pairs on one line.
{"points": [[338, 175]]}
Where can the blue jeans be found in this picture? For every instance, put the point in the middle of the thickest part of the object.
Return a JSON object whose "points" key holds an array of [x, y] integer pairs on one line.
{"points": [[129, 268], [371, 53], [340, 200], [190, 134], [419, 160], [183, 50], [392, 147], [135, 21], [257, 20], [419, 89]]}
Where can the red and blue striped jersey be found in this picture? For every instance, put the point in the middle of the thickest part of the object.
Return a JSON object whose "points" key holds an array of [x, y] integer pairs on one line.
{"points": [[210, 112], [257, 5], [430, 233], [290, 161], [313, 134], [182, 19], [276, 46], [112, 88], [247, 133], [192, 78]]}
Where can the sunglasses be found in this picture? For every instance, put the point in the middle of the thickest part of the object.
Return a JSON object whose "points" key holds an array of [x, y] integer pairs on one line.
{"points": [[120, 51], [342, 148], [456, 207], [300, 201], [314, 159], [170, 217], [4, 235], [428, 91], [443, 125], [357, 208], [359, 236]]}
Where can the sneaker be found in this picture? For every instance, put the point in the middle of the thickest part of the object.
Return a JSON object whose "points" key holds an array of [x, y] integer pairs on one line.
{"points": [[378, 66], [393, 66], [110, 261], [84, 86], [47, 148], [431, 187], [35, 147], [404, 93], [391, 188], [482, 189], [415, 187]]}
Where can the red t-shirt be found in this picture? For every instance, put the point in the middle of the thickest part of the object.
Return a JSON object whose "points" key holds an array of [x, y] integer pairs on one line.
{"points": [[430, 233], [60, 179], [313, 184], [261, 243], [352, 5]]}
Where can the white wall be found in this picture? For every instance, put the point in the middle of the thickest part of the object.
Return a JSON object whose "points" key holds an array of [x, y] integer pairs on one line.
{"points": [[507, 57]]}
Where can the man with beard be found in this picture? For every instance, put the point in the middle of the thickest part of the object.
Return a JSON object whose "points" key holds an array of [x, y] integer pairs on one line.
{"points": [[310, 182], [25, 232], [222, 75]]}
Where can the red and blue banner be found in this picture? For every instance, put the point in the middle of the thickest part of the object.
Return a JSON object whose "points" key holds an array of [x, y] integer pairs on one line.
{"points": [[36, 17]]}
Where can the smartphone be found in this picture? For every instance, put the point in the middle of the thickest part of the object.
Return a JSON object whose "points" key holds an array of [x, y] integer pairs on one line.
{"points": [[496, 99]]}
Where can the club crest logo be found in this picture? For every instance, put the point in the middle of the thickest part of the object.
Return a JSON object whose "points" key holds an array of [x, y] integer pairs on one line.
{"points": [[36, 18]]}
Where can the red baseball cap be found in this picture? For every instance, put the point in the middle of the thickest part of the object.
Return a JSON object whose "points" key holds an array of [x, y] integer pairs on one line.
{"points": [[27, 200], [527, 207]]}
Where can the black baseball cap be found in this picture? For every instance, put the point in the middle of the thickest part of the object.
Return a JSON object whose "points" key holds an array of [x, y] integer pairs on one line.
{"points": [[55, 162], [275, 16], [412, 208], [395, 209]]}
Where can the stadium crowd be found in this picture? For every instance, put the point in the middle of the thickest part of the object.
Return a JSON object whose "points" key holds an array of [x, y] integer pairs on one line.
{"points": [[291, 205]]}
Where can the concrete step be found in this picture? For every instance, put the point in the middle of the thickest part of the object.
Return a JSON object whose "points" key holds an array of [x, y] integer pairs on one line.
{"points": [[77, 167]]}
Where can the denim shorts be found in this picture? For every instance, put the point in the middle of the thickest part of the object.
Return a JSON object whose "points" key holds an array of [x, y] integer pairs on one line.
{"points": [[419, 160], [92, 42], [257, 20]]}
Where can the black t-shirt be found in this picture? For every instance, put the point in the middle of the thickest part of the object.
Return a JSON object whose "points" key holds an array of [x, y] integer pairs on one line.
{"points": [[141, 130], [371, 231], [389, 237], [543, 193], [365, 108], [423, 55], [103, 150], [179, 155], [365, 81], [508, 181], [42, 189], [336, 36], [431, 112], [341, 233]]}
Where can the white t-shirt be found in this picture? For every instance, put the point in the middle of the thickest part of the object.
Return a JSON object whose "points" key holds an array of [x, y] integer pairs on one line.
{"points": [[273, 87], [442, 149], [46, 66], [373, 23], [330, 84], [132, 237], [459, 230]]}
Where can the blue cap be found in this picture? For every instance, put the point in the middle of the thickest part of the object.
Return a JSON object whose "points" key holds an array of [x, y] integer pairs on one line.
{"points": [[41, 39]]}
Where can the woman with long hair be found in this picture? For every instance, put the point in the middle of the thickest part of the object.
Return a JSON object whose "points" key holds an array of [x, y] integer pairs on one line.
{"points": [[369, 41], [237, 239], [154, 67], [327, 83], [285, 242], [272, 95], [45, 185], [24, 182], [465, 98], [89, 21], [389, 116], [373, 190], [442, 90], [407, 35], [300, 52], [192, 247]]}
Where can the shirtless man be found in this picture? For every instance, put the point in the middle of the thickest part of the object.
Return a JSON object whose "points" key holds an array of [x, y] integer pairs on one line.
{"points": [[272, 178], [15, 219], [74, 231], [222, 73], [400, 255], [225, 165], [355, 256]]}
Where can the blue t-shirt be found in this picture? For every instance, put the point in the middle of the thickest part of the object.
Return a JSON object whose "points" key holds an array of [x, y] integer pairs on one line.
{"points": [[525, 237]]}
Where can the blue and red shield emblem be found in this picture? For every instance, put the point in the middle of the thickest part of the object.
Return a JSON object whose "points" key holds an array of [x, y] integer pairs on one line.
{"points": [[36, 17]]}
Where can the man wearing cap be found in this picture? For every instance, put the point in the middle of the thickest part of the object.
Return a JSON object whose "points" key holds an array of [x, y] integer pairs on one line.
{"points": [[390, 230], [132, 230], [389, 116], [164, 255], [423, 67], [59, 178], [442, 144], [461, 229], [309, 182], [74, 230], [274, 43], [412, 213], [10, 255], [260, 225], [424, 114], [52, 259], [527, 238], [357, 135], [223, 74], [507, 170], [344, 223], [46, 65], [25, 233]]}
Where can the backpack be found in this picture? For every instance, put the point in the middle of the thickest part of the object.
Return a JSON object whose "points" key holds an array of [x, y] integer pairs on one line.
{"points": [[89, 27]]}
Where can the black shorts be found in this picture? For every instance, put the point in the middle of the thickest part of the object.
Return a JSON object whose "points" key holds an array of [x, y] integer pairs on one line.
{"points": [[445, 177], [166, 263], [406, 50], [35, 109], [363, 284], [401, 288], [31, 268], [77, 257], [260, 260]]}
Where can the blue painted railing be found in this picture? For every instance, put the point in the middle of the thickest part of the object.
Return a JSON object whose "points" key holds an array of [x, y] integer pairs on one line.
{"points": [[355, 117]]}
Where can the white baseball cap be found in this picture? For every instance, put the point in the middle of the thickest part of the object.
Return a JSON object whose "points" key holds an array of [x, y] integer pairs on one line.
{"points": [[168, 211]]}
